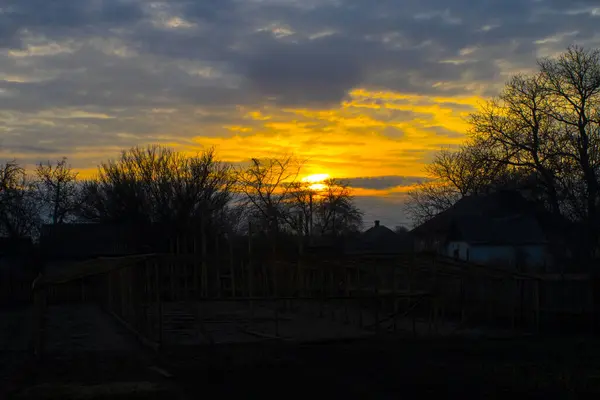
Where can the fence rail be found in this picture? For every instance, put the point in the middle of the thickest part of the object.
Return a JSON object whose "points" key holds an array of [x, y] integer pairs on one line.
{"points": [[166, 299]]}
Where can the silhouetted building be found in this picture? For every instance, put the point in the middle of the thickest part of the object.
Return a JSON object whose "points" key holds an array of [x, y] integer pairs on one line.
{"points": [[378, 239], [501, 228], [90, 240]]}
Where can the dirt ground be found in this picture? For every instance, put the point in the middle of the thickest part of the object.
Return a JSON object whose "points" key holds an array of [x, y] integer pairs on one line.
{"points": [[379, 369], [299, 321], [388, 368], [15, 325], [88, 356], [92, 357]]}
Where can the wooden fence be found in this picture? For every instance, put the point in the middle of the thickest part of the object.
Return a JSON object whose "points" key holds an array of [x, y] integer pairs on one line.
{"points": [[375, 292]]}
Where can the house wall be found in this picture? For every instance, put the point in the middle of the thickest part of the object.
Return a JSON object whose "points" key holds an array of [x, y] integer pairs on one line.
{"points": [[463, 248], [432, 243], [530, 256]]}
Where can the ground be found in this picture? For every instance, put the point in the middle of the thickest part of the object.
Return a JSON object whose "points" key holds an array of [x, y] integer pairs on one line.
{"points": [[14, 346], [387, 367], [90, 356]]}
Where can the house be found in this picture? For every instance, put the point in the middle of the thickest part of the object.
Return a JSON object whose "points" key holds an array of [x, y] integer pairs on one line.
{"points": [[501, 228], [378, 239], [89, 240]]}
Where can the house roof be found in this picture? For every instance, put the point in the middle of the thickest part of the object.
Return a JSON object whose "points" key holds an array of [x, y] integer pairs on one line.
{"points": [[379, 239], [84, 240], [515, 230], [504, 217], [379, 233]]}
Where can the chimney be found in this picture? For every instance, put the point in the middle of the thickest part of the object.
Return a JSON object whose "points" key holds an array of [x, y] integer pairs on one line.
{"points": [[376, 223]]}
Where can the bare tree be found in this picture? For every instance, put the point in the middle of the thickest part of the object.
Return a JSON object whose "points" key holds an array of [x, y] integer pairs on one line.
{"points": [[573, 80], [541, 135], [336, 211], [19, 210], [58, 189], [472, 169], [326, 209], [515, 125], [158, 184], [430, 198], [469, 170], [302, 204], [267, 185]]}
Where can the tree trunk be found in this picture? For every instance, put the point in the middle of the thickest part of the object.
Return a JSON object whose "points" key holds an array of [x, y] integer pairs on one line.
{"points": [[56, 205]]}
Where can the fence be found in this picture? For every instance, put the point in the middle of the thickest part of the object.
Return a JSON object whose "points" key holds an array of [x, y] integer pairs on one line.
{"points": [[191, 297], [149, 294]]}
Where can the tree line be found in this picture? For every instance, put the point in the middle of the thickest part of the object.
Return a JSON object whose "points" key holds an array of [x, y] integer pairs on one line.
{"points": [[158, 185], [540, 136]]}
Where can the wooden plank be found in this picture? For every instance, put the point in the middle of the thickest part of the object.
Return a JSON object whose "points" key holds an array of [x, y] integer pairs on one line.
{"points": [[232, 266], [159, 310], [139, 336], [78, 270]]}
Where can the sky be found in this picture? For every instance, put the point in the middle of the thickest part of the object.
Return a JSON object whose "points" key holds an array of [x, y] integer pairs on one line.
{"points": [[365, 90]]}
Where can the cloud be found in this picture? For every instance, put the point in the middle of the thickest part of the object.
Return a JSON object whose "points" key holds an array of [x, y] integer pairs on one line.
{"points": [[360, 88], [317, 72], [63, 17], [383, 182]]}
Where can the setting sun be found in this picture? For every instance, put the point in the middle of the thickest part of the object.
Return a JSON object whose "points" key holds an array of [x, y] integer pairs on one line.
{"points": [[315, 178], [315, 181]]}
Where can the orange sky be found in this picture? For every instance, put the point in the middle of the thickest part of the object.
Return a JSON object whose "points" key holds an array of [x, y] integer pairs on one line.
{"points": [[358, 89], [370, 134]]}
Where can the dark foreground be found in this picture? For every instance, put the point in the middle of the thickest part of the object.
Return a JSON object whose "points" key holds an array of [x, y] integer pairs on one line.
{"points": [[95, 362], [389, 368], [381, 369]]}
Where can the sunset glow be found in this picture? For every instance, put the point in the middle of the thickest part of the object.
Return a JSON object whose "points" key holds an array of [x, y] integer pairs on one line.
{"points": [[365, 91], [315, 178], [315, 181]]}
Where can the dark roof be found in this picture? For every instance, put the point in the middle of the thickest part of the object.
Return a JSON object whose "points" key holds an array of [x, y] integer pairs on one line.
{"points": [[93, 240], [503, 217], [379, 233], [378, 239], [515, 230]]}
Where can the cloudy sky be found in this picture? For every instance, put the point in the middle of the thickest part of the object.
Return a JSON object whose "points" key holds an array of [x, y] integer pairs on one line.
{"points": [[364, 89]]}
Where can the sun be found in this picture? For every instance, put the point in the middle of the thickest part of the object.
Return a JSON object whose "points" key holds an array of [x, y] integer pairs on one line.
{"points": [[316, 181]]}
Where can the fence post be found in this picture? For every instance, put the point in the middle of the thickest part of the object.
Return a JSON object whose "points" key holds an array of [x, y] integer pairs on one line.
{"points": [[394, 296], [39, 319], [321, 309], [217, 262], [346, 294], [232, 266], [332, 293], [536, 305], [358, 288], [376, 295], [204, 274], [159, 310], [250, 272]]}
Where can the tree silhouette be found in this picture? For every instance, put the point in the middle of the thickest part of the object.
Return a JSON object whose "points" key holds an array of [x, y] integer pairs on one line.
{"points": [[58, 189], [540, 135], [328, 210], [266, 186], [158, 185], [19, 208]]}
